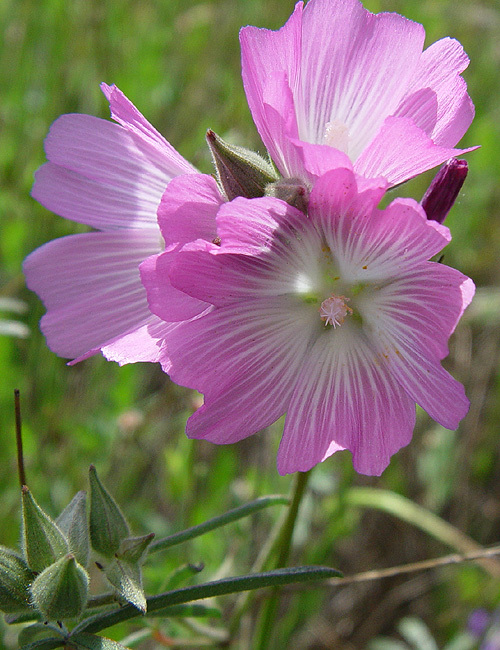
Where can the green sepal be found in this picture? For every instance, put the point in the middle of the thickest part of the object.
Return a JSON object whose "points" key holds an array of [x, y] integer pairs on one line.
{"points": [[74, 524], [108, 527], [15, 580], [61, 590], [291, 190], [240, 172], [126, 578], [43, 540], [135, 549], [85, 641]]}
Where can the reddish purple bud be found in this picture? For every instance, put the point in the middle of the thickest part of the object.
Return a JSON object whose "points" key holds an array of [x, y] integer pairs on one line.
{"points": [[443, 191]]}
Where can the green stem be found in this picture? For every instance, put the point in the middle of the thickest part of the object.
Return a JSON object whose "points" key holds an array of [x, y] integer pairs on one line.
{"points": [[282, 546], [217, 522]]}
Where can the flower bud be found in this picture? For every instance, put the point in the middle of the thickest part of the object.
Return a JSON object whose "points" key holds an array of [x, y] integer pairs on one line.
{"points": [[43, 540], [61, 590], [291, 190], [108, 526], [134, 549], [15, 580], [73, 523], [240, 172], [443, 191]]}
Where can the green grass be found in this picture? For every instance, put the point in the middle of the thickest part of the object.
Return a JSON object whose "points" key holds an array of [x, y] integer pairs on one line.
{"points": [[178, 61]]}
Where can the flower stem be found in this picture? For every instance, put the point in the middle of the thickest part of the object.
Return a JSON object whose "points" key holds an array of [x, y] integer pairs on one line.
{"points": [[282, 547]]}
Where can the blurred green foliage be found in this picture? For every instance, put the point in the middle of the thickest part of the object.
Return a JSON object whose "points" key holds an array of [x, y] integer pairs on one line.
{"points": [[178, 61]]}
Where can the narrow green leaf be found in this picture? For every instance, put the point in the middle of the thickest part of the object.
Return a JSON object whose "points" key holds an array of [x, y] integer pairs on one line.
{"points": [[108, 526], [181, 575], [73, 523], [278, 577], [92, 642], [45, 644], [37, 631], [222, 520], [43, 540], [191, 609]]}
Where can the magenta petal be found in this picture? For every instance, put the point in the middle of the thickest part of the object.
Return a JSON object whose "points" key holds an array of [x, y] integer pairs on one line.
{"points": [[188, 209], [91, 288], [164, 300], [145, 136], [439, 69], [400, 151], [345, 400], [245, 358]]}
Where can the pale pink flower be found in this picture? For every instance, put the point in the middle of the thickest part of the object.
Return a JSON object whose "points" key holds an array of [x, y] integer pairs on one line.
{"points": [[337, 318], [336, 75], [111, 177]]}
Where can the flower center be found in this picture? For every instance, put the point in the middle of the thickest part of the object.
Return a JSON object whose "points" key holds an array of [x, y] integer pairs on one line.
{"points": [[333, 310], [337, 135]]}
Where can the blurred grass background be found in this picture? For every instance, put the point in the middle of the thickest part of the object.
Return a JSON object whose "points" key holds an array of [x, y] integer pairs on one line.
{"points": [[178, 61]]}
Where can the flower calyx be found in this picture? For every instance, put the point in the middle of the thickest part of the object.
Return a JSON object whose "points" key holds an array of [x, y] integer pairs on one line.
{"points": [[239, 171]]}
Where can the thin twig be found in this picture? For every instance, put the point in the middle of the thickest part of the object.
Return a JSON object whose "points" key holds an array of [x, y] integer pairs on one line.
{"points": [[19, 439], [377, 574]]}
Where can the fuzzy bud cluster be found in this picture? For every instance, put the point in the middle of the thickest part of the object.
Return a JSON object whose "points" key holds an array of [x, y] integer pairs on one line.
{"points": [[50, 579]]}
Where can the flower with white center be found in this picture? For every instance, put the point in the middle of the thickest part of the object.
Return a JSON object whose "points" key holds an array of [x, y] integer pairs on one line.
{"points": [[336, 75], [111, 177], [337, 318]]}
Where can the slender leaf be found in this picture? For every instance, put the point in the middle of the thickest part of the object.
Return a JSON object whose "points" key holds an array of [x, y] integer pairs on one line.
{"points": [[37, 631], [222, 520], [91, 642], [276, 578], [45, 644], [194, 609]]}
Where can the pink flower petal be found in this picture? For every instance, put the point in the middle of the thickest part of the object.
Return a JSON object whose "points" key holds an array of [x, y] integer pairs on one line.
{"points": [[439, 69], [164, 300], [401, 150], [188, 209], [145, 136], [91, 288], [345, 400], [368, 70], [246, 372]]}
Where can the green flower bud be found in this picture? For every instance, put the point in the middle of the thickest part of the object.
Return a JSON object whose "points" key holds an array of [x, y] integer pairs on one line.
{"points": [[43, 540], [240, 172], [292, 190], [73, 523], [134, 549], [126, 578], [61, 590], [108, 526], [15, 580]]}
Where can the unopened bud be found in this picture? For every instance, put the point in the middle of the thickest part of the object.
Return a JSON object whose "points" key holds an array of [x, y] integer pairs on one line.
{"points": [[108, 526], [61, 591], [240, 172], [15, 580], [134, 549], [443, 191], [43, 540], [291, 190], [73, 523]]}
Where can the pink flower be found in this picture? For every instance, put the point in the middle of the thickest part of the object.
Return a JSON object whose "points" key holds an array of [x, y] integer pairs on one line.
{"points": [[337, 318], [111, 177], [336, 75]]}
